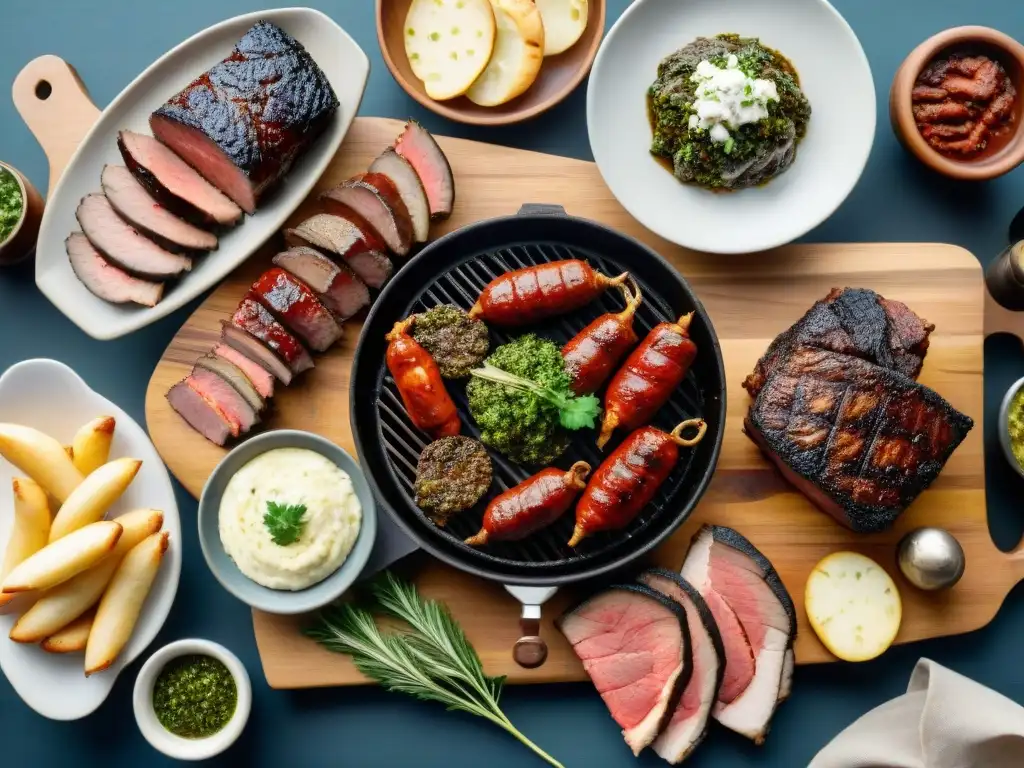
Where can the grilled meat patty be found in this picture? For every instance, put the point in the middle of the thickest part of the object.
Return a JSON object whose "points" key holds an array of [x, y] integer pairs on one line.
{"points": [[452, 475]]}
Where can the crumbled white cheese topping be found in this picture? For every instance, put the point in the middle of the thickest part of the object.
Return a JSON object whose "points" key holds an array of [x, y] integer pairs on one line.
{"points": [[727, 99]]}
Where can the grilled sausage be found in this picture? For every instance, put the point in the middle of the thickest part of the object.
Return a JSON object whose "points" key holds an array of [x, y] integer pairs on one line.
{"points": [[419, 383], [533, 504], [527, 295], [593, 353], [628, 479], [647, 379]]}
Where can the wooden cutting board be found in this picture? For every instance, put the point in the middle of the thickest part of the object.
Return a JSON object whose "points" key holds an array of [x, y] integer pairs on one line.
{"points": [[750, 299]]}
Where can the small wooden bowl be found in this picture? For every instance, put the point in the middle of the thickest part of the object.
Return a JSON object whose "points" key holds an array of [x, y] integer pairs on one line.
{"points": [[558, 77], [21, 243], [990, 42]]}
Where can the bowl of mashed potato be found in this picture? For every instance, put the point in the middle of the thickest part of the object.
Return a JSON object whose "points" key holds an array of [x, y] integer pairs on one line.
{"points": [[287, 522]]}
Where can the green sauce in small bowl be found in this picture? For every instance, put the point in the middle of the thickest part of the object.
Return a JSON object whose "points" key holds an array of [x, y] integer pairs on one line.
{"points": [[194, 696], [12, 203]]}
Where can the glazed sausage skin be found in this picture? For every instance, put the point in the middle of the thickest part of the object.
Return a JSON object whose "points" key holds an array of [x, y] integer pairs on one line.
{"points": [[649, 376], [420, 384], [527, 295], [592, 354], [534, 504]]}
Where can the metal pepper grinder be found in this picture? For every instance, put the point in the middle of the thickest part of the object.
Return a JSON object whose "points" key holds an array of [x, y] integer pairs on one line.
{"points": [[1005, 275]]}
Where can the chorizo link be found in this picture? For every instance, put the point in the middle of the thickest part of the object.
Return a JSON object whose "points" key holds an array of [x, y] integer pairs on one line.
{"points": [[592, 354], [420, 384]]}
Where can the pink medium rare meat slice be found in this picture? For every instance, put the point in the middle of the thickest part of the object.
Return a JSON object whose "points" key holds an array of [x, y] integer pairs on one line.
{"points": [[335, 283], [243, 123], [417, 146], [261, 378], [234, 376], [409, 186], [634, 644], [106, 281], [245, 343], [724, 564], [199, 413], [174, 184], [239, 414], [376, 198], [255, 319], [344, 239], [688, 723]]}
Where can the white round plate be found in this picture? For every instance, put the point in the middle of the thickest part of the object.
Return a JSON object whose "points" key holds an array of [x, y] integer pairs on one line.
{"points": [[51, 397], [834, 73]]}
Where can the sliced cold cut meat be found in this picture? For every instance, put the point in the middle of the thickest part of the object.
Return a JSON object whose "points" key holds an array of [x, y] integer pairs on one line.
{"points": [[244, 122], [688, 723], [244, 342], [297, 307], [106, 281], [409, 186], [337, 285], [376, 198], [260, 377], [199, 413], [421, 150], [123, 246], [635, 646], [234, 376], [340, 237], [225, 398], [136, 206], [723, 564], [173, 183], [253, 317]]}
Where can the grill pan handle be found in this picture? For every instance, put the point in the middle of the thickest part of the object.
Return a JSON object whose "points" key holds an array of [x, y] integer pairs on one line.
{"points": [[530, 650], [541, 209]]}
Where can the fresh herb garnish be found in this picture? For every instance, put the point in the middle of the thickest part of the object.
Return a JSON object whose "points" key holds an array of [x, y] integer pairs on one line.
{"points": [[431, 661], [574, 411], [284, 521]]}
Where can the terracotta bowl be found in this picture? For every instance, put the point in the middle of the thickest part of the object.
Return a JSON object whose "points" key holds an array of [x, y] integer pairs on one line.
{"points": [[558, 77], [21, 243], [984, 40]]}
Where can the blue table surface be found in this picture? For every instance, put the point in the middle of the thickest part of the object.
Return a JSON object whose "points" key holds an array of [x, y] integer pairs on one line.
{"points": [[109, 42]]}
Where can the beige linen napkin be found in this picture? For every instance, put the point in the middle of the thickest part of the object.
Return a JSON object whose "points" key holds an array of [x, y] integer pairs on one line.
{"points": [[944, 720]]}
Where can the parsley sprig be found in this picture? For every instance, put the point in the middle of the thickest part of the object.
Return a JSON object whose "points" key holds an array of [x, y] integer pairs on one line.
{"points": [[285, 522], [574, 411]]}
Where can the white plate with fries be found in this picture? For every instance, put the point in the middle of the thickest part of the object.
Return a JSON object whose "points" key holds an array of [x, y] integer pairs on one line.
{"points": [[126, 574]]}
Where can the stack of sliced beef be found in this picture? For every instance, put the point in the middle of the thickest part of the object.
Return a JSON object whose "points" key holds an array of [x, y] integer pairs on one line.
{"points": [[673, 652], [220, 144], [299, 306], [837, 408]]}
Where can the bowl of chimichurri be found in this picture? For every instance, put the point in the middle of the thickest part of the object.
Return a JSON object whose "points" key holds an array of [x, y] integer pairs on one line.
{"points": [[21, 211], [1011, 426], [192, 699]]}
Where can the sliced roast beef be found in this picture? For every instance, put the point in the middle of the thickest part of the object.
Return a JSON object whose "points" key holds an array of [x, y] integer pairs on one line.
{"points": [[339, 237], [418, 147], [136, 206], [368, 238], [376, 198], [106, 281], [337, 285], [721, 563], [234, 376], [173, 184], [634, 644], [239, 414], [688, 723], [244, 342], [260, 377], [244, 122], [123, 246], [409, 186], [253, 317], [200, 414], [739, 656], [297, 307]]}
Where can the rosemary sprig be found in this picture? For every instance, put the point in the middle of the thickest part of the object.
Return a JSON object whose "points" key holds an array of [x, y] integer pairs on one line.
{"points": [[431, 661]]}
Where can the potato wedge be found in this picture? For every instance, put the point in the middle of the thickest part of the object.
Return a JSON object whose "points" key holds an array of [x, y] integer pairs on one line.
{"points": [[121, 604], [40, 457], [91, 500], [449, 42], [59, 561], [31, 529], [59, 606], [518, 54], [564, 23], [72, 638], [91, 447]]}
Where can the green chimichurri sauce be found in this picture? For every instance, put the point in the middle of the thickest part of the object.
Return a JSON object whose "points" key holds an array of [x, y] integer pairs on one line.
{"points": [[11, 204], [1015, 417], [194, 696]]}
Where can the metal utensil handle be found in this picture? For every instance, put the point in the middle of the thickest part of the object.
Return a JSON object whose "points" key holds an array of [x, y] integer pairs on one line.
{"points": [[530, 651]]}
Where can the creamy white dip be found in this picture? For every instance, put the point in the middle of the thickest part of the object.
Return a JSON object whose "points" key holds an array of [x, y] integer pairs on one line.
{"points": [[728, 98], [289, 476]]}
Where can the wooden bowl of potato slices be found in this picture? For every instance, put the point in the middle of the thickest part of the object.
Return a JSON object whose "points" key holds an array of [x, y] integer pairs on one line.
{"points": [[489, 62]]}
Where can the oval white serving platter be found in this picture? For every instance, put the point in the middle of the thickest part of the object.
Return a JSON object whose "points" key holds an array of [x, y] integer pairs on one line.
{"points": [[834, 74], [51, 397], [338, 55]]}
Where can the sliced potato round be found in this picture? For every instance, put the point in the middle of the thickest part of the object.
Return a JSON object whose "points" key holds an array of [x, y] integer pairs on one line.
{"points": [[518, 54], [853, 605], [449, 42], [564, 23]]}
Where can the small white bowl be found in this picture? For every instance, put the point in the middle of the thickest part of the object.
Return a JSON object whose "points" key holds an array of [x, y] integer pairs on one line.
{"points": [[175, 746]]}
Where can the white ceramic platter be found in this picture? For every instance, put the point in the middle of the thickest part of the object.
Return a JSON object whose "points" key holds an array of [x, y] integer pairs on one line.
{"points": [[834, 74], [347, 68], [51, 397]]}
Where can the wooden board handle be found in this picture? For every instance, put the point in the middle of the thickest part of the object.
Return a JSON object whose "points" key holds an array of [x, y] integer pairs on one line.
{"points": [[55, 104]]}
